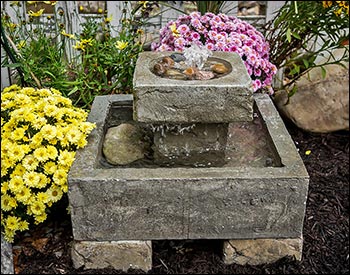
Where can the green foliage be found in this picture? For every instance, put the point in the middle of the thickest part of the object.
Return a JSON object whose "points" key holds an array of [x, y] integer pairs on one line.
{"points": [[101, 64], [36, 54], [209, 6], [303, 31]]}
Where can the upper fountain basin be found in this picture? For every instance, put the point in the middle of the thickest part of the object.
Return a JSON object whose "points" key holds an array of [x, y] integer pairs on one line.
{"points": [[222, 99]]}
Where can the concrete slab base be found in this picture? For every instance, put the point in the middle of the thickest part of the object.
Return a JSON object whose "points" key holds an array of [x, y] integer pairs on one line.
{"points": [[261, 251], [121, 255]]}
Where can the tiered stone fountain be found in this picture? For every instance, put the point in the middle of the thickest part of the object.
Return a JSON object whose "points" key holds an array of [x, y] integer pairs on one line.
{"points": [[220, 165]]}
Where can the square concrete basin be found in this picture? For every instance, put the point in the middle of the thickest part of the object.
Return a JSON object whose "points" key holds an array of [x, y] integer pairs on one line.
{"points": [[236, 201]]}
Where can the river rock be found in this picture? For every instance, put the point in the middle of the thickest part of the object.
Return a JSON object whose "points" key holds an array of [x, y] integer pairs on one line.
{"points": [[177, 57], [168, 61], [204, 75], [219, 68], [124, 144]]}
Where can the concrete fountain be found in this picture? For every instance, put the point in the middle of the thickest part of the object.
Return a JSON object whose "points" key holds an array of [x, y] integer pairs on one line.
{"points": [[219, 164]]}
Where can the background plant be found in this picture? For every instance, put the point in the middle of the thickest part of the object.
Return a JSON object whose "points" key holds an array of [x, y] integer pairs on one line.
{"points": [[40, 133], [38, 55], [105, 64], [101, 65], [301, 32]]}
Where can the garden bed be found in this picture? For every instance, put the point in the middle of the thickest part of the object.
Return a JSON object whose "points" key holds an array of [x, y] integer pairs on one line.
{"points": [[45, 250]]}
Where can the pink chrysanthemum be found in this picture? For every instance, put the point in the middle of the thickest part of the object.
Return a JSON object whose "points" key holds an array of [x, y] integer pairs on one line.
{"points": [[220, 32]]}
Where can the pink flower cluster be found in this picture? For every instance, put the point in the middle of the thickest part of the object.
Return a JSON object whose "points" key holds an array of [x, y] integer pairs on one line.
{"points": [[221, 33]]}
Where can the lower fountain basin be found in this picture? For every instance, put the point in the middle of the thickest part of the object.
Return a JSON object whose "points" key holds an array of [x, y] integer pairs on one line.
{"points": [[238, 200]]}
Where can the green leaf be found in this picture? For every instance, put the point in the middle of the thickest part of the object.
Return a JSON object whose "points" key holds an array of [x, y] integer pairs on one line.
{"points": [[293, 91], [73, 91], [295, 70], [297, 36], [306, 63], [13, 65], [288, 34], [323, 71]]}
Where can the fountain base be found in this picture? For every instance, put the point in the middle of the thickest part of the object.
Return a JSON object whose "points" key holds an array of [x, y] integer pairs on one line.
{"points": [[243, 199]]}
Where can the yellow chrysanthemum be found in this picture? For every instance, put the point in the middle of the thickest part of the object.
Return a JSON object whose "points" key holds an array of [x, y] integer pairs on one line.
{"points": [[43, 181], [5, 164], [12, 222], [50, 110], [60, 177], [39, 130], [36, 140], [9, 234], [51, 151], [43, 197], [23, 225], [37, 207], [40, 218], [73, 134], [55, 193], [4, 187], [18, 133], [66, 158], [30, 163], [19, 170], [31, 179], [81, 143], [50, 167], [23, 195], [16, 184], [48, 131], [16, 154], [39, 122], [8, 202], [41, 154]]}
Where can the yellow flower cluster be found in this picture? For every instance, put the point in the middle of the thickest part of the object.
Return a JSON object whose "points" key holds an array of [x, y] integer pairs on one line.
{"points": [[40, 133], [340, 7]]}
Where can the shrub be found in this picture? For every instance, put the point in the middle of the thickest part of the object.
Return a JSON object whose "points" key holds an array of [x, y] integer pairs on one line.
{"points": [[100, 64], [219, 32], [302, 32], [40, 133]]}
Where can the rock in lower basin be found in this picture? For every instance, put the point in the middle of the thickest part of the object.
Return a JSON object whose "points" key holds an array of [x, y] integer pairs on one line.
{"points": [[123, 144]]}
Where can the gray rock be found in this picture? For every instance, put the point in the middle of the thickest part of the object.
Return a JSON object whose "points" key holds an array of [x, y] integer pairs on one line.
{"points": [[6, 257], [123, 144]]}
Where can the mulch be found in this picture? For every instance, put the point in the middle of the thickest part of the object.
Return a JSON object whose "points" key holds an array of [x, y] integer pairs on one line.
{"points": [[45, 248]]}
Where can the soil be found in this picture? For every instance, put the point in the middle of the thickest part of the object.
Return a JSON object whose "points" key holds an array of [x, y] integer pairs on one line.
{"points": [[45, 248]]}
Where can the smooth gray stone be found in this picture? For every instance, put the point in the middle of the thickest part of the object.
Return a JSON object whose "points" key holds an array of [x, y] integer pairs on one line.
{"points": [[6, 257]]}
